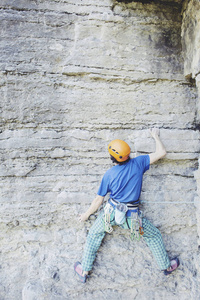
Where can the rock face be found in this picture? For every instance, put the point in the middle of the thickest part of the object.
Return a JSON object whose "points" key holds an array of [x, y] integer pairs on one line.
{"points": [[74, 75], [191, 38]]}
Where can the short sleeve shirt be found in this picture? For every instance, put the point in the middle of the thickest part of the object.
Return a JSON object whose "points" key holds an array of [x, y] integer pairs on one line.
{"points": [[124, 182]]}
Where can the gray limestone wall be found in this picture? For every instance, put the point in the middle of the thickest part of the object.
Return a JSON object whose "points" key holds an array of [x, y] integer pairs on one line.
{"points": [[190, 38], [74, 75], [191, 53]]}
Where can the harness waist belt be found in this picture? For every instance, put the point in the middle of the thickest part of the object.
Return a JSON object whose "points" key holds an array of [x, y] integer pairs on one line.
{"points": [[129, 205], [131, 208]]}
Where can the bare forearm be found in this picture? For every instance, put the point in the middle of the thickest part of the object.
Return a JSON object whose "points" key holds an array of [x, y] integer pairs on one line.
{"points": [[160, 149], [96, 203]]}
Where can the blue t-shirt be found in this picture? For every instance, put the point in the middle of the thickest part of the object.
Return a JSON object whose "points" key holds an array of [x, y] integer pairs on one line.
{"points": [[124, 182]]}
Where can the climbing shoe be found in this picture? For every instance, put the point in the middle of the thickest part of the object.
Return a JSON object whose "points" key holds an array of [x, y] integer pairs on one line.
{"points": [[174, 265], [79, 272]]}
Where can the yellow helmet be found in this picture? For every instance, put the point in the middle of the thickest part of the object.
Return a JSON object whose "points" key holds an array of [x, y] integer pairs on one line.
{"points": [[119, 149]]}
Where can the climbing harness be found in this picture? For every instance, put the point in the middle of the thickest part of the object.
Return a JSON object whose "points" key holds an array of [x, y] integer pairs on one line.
{"points": [[108, 209], [168, 202], [123, 211]]}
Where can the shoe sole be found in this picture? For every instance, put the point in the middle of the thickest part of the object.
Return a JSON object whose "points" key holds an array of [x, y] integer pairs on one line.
{"points": [[169, 272], [82, 278]]}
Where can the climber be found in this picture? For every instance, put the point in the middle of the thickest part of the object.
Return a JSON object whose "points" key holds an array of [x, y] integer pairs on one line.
{"points": [[124, 182]]}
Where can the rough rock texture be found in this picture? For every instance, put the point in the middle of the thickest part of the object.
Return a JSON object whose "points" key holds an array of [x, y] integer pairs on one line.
{"points": [[191, 53], [74, 75], [191, 38]]}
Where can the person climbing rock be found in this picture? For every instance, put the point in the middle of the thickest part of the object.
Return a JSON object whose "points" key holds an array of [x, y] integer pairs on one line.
{"points": [[124, 183]]}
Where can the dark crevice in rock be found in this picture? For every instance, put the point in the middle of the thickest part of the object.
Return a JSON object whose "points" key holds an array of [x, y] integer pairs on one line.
{"points": [[175, 4]]}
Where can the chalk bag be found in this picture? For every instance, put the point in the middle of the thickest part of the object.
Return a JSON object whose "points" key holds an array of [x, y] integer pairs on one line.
{"points": [[120, 213]]}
